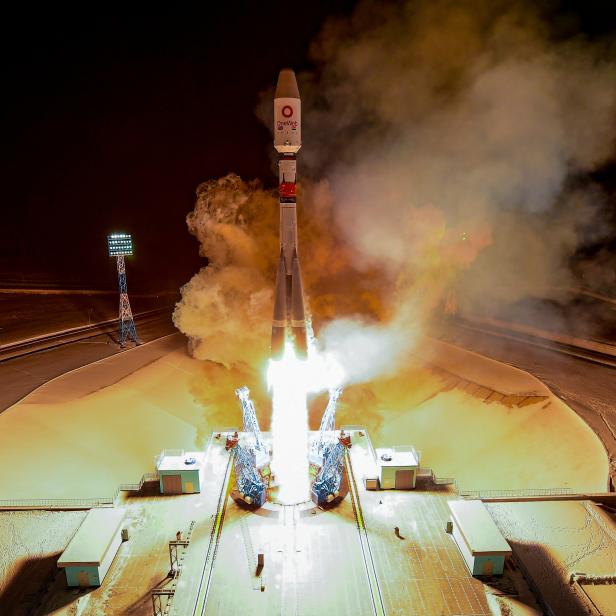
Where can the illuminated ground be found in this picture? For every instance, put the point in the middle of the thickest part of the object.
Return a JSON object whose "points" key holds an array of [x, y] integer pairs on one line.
{"points": [[483, 445], [142, 563], [89, 431], [422, 574], [557, 539], [310, 563]]}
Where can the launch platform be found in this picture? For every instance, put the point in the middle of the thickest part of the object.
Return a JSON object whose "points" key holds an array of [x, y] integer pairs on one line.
{"points": [[347, 560]]}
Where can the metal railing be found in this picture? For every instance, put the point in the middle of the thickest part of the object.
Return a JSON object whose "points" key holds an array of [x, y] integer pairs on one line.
{"points": [[76, 503], [515, 493], [425, 472]]}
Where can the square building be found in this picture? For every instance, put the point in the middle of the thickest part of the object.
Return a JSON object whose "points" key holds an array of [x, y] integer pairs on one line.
{"points": [[180, 472], [397, 467]]}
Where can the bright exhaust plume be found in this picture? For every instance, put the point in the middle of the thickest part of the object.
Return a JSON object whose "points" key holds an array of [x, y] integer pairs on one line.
{"points": [[290, 381]]}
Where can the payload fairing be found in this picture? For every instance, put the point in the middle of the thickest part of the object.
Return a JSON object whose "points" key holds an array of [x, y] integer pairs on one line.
{"points": [[289, 322]]}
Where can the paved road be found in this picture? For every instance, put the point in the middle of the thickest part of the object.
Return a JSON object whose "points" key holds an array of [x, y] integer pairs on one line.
{"points": [[21, 375], [588, 388]]}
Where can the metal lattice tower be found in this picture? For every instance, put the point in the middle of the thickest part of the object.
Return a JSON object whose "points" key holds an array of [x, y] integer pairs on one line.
{"points": [[127, 323], [249, 482], [327, 483], [249, 416], [328, 424], [119, 245]]}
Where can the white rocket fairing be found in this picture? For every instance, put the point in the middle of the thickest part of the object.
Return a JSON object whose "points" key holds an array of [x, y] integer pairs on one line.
{"points": [[289, 321]]}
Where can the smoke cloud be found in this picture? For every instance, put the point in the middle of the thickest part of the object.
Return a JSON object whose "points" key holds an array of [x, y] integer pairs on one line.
{"points": [[446, 167], [479, 109]]}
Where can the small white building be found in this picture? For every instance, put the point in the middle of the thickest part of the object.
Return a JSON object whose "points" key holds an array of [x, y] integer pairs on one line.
{"points": [[397, 467], [180, 472], [481, 544], [90, 552]]}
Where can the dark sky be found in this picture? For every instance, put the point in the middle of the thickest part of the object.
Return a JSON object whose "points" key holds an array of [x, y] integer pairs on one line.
{"points": [[112, 120]]}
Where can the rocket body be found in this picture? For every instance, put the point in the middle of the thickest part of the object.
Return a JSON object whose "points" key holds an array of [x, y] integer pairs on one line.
{"points": [[289, 322]]}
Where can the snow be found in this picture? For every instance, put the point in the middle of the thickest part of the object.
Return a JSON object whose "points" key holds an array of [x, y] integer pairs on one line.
{"points": [[398, 458], [85, 446], [556, 539], [479, 369], [178, 461], [31, 541]]}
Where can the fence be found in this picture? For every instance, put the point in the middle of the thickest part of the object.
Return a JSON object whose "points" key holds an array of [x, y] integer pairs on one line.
{"points": [[529, 492], [425, 472], [76, 503]]}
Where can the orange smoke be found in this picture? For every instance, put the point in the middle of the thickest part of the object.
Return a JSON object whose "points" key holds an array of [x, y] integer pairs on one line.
{"points": [[226, 308]]}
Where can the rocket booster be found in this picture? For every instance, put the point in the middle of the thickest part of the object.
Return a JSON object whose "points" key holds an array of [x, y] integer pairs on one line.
{"points": [[289, 321]]}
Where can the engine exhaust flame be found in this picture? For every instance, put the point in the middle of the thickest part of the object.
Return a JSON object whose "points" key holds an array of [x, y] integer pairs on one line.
{"points": [[291, 380]]}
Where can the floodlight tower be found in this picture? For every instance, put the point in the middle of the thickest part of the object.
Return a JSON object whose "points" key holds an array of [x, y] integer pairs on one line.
{"points": [[120, 245]]}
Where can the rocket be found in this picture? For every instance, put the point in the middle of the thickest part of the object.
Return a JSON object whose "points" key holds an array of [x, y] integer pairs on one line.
{"points": [[289, 322]]}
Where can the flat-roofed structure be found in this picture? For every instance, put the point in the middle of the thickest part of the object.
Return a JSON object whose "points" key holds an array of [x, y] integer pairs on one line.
{"points": [[397, 467], [90, 552], [481, 544], [180, 472]]}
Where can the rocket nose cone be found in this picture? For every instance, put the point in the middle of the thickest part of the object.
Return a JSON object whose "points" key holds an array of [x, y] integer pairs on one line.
{"points": [[287, 85]]}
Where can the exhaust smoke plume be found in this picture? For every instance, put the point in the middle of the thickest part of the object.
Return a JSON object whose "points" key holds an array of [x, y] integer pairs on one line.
{"points": [[448, 148]]}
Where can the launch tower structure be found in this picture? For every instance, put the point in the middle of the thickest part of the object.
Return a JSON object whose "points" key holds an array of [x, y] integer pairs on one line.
{"points": [[327, 434], [250, 484], [327, 484], [251, 426], [119, 246]]}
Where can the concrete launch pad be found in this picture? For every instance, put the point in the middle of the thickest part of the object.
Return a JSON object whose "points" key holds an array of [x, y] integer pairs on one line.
{"points": [[347, 560], [318, 561]]}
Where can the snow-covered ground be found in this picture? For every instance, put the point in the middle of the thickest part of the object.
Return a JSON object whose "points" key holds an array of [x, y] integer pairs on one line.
{"points": [[85, 433], [29, 313], [85, 447], [557, 539], [31, 543], [62, 446], [588, 388]]}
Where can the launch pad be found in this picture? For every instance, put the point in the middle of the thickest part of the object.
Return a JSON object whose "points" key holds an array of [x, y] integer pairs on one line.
{"points": [[273, 505], [300, 559], [256, 479]]}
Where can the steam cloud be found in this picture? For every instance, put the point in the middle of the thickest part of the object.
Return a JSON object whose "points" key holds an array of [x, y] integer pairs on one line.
{"points": [[447, 152]]}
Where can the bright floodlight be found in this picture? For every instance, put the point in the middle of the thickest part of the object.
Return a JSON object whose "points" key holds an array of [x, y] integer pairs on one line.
{"points": [[120, 244]]}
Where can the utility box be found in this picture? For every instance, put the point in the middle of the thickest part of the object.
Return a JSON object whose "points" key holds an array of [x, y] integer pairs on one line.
{"points": [[90, 552], [397, 467], [371, 483], [481, 544], [180, 472]]}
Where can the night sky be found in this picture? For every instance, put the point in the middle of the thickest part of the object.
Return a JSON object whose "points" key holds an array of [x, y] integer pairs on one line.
{"points": [[112, 120]]}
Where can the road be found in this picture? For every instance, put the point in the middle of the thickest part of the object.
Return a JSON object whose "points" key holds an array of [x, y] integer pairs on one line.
{"points": [[587, 387], [21, 375], [27, 313]]}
